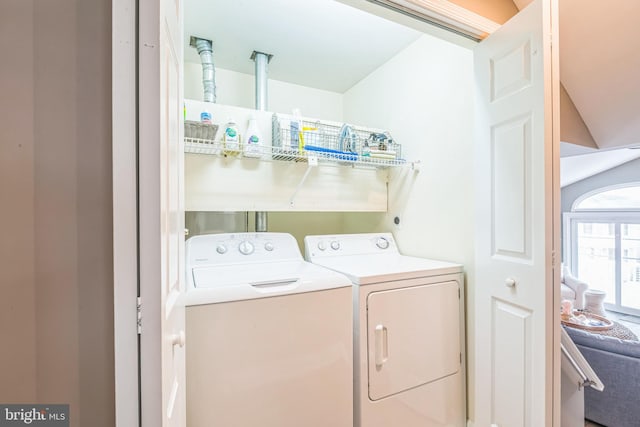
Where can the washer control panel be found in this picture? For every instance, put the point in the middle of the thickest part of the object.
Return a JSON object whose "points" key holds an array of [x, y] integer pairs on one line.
{"points": [[232, 248], [349, 244], [382, 243]]}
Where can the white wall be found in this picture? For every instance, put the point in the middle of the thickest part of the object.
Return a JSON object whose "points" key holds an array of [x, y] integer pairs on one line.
{"points": [[237, 89], [424, 97]]}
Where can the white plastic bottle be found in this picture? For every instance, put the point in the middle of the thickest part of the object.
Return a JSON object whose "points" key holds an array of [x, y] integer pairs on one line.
{"points": [[296, 144], [253, 141], [231, 138]]}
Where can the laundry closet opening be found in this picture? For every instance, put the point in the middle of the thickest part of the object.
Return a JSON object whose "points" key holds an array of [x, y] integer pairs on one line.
{"points": [[367, 127]]}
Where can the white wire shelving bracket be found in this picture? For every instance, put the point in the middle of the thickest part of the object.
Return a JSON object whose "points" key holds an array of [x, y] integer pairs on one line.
{"points": [[312, 161]]}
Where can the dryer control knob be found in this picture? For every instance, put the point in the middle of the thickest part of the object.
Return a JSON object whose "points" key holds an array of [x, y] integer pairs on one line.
{"points": [[246, 247], [269, 246], [322, 246], [382, 243], [335, 245], [221, 249]]}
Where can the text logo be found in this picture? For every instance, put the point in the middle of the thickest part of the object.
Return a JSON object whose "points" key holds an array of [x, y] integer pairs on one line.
{"points": [[34, 415]]}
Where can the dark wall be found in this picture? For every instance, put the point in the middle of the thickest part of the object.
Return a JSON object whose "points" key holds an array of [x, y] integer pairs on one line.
{"points": [[55, 168]]}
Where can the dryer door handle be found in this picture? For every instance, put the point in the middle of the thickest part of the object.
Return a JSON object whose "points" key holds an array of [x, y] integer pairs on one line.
{"points": [[381, 345]]}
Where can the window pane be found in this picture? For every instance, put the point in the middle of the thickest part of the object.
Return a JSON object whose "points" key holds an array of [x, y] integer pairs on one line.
{"points": [[596, 257], [619, 198], [631, 265]]}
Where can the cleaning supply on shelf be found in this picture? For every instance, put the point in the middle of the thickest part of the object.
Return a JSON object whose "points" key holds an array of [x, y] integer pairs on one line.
{"points": [[332, 154], [347, 139], [205, 116], [253, 141], [296, 142], [366, 149], [231, 138], [310, 136], [382, 154]]}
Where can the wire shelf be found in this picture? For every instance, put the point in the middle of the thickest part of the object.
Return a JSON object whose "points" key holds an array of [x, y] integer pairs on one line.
{"points": [[200, 146], [334, 140]]}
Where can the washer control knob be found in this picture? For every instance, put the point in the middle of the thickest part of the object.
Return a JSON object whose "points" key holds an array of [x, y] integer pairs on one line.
{"points": [[221, 249], [322, 245], [246, 247], [335, 245], [269, 246], [382, 243]]}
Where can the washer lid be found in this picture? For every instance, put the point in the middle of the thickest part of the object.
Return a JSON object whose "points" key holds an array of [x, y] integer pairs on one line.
{"points": [[378, 268], [210, 284]]}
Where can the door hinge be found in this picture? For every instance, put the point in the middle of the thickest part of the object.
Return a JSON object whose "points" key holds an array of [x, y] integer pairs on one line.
{"points": [[459, 293], [139, 314]]}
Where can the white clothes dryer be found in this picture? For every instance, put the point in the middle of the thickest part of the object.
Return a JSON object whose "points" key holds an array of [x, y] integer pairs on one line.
{"points": [[408, 331], [269, 337]]}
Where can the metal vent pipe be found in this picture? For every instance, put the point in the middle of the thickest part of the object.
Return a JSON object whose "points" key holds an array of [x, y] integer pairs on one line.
{"points": [[261, 61], [205, 50]]}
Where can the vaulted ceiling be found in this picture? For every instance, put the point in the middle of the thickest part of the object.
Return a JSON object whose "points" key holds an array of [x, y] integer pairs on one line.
{"points": [[600, 67]]}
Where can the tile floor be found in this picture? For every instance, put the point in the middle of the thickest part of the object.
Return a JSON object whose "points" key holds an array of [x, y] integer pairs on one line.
{"points": [[631, 322]]}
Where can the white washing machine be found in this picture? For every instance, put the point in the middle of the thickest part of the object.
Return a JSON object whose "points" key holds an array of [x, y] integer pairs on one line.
{"points": [[269, 336], [408, 331]]}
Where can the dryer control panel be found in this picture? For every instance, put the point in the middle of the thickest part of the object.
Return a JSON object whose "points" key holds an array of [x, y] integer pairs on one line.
{"points": [[349, 244]]}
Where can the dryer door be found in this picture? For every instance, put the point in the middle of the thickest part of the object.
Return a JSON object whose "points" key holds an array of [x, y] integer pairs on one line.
{"points": [[413, 337]]}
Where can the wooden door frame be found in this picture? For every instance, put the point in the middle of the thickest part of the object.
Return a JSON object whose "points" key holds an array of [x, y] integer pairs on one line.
{"points": [[125, 212]]}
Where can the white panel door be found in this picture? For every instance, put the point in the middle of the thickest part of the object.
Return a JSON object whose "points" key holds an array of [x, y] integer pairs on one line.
{"points": [[413, 337], [161, 214], [515, 352]]}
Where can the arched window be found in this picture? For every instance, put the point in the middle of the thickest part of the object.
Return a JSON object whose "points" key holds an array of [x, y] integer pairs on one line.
{"points": [[602, 243], [619, 198]]}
